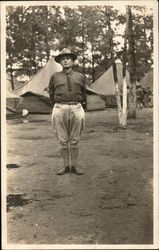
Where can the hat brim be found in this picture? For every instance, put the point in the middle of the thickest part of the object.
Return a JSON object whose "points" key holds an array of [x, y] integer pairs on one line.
{"points": [[59, 57]]}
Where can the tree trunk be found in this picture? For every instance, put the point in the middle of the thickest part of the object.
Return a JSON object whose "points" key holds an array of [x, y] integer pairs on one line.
{"points": [[41, 62], [124, 94], [132, 89], [145, 39], [12, 78], [132, 102], [118, 99], [151, 40], [46, 38], [83, 47], [33, 56], [105, 59], [34, 63], [124, 117], [11, 72], [93, 70], [83, 63]]}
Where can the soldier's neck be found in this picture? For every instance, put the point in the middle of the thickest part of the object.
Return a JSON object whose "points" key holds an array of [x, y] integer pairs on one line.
{"points": [[67, 70]]}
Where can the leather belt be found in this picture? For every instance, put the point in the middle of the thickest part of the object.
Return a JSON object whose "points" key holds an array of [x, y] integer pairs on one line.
{"points": [[69, 103]]}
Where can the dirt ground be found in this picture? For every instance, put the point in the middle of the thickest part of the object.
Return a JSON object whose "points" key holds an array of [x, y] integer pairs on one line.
{"points": [[110, 204]]}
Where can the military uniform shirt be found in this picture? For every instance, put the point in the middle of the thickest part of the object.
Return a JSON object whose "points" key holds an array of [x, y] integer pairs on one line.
{"points": [[67, 87]]}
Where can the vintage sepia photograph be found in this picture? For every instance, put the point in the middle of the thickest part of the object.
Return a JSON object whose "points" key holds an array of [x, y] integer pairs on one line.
{"points": [[79, 124]]}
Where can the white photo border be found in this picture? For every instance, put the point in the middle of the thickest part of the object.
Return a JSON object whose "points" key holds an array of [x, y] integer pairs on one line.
{"points": [[155, 245]]}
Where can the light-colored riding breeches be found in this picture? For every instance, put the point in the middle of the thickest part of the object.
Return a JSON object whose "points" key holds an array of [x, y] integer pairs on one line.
{"points": [[68, 121]]}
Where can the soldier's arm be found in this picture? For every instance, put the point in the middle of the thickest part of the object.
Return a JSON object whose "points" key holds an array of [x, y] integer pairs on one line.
{"points": [[51, 91], [84, 90]]}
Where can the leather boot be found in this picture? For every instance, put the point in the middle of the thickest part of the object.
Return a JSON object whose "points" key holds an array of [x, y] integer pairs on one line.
{"points": [[65, 156], [64, 171], [74, 158], [76, 171]]}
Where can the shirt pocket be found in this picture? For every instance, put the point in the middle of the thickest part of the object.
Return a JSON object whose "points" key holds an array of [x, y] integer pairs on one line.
{"points": [[60, 88], [78, 87]]}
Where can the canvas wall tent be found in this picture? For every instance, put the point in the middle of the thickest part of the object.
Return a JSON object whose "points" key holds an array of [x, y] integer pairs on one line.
{"points": [[34, 92], [147, 80], [94, 100], [105, 86], [14, 103]]}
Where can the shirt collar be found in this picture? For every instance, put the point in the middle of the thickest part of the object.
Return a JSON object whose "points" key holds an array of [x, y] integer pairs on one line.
{"points": [[70, 72]]}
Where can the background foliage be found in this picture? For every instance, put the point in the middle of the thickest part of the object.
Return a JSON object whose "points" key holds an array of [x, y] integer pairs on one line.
{"points": [[34, 33]]}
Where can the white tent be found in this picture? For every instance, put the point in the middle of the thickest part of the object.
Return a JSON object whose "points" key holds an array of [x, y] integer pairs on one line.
{"points": [[105, 87], [14, 103], [39, 82], [147, 80], [35, 91]]}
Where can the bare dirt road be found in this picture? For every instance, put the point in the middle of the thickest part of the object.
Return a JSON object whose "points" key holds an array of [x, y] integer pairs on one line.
{"points": [[110, 204]]}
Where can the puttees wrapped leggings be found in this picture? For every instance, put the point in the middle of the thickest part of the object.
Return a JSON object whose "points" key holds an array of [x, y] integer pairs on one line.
{"points": [[68, 121]]}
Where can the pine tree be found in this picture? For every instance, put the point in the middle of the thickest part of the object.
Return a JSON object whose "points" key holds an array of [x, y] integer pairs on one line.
{"points": [[132, 66]]}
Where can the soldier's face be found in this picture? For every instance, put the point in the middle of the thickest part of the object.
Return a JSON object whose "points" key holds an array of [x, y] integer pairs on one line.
{"points": [[66, 62]]}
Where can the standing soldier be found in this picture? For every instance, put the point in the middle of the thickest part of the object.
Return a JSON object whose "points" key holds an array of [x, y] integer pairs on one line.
{"points": [[67, 93], [148, 97], [139, 97]]}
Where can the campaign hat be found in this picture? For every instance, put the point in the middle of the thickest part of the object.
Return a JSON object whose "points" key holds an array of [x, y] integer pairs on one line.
{"points": [[65, 52]]}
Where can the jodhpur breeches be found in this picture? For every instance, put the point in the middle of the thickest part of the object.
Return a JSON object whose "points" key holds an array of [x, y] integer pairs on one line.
{"points": [[68, 121]]}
